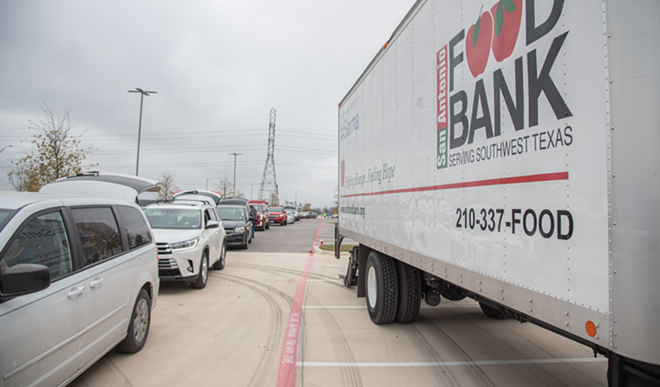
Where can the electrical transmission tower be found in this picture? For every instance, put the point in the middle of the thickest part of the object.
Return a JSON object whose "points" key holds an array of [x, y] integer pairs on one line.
{"points": [[269, 181]]}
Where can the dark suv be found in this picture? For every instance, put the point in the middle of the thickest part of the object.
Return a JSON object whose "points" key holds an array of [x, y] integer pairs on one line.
{"points": [[236, 220]]}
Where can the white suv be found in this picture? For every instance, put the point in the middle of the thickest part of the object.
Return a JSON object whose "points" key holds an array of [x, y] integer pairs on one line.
{"points": [[190, 239], [79, 276]]}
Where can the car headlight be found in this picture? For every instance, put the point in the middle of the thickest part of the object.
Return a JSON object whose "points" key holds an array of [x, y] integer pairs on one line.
{"points": [[185, 244], [239, 229]]}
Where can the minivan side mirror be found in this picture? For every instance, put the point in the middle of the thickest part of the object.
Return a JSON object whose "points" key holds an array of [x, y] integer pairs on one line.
{"points": [[23, 279], [212, 224]]}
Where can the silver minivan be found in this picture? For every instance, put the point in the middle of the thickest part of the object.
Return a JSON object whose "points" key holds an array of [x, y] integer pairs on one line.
{"points": [[79, 276]]}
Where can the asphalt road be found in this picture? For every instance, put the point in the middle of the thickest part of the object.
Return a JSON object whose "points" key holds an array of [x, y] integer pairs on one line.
{"points": [[243, 329], [292, 238]]}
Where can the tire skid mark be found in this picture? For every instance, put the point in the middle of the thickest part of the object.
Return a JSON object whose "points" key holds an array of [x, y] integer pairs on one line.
{"points": [[107, 371], [541, 375], [199, 357], [474, 372], [350, 376], [444, 376], [282, 270], [267, 359]]}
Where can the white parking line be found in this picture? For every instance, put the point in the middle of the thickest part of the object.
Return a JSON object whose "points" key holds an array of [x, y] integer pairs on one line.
{"points": [[320, 280], [451, 363], [363, 307]]}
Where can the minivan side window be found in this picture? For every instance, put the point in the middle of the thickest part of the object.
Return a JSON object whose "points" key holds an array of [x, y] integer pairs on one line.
{"points": [[136, 227], [98, 232], [44, 241]]}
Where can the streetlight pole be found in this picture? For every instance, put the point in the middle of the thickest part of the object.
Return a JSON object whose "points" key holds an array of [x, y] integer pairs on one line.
{"points": [[142, 94], [7, 146], [235, 154]]}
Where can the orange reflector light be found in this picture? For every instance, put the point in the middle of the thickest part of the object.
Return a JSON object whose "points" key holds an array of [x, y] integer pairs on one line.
{"points": [[385, 45], [591, 329]]}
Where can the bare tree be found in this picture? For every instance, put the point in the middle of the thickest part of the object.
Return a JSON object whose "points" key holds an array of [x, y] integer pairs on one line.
{"points": [[274, 199], [167, 185], [56, 153], [238, 194], [18, 177], [335, 204], [225, 186]]}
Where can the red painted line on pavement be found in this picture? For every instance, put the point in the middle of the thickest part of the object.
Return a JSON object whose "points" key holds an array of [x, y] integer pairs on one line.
{"points": [[477, 183], [286, 374]]}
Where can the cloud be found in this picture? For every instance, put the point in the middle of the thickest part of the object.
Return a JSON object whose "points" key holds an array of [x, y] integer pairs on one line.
{"points": [[218, 68]]}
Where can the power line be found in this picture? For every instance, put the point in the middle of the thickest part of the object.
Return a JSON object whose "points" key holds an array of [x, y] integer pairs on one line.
{"points": [[307, 150], [186, 150], [307, 165], [334, 137]]}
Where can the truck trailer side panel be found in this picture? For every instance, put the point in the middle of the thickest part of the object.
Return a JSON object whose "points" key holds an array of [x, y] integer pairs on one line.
{"points": [[514, 153]]}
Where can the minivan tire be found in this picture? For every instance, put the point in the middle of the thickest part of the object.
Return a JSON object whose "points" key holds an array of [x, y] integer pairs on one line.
{"points": [[138, 325]]}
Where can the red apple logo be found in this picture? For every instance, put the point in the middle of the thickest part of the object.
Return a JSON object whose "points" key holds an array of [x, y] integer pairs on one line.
{"points": [[343, 170], [507, 15], [477, 43]]}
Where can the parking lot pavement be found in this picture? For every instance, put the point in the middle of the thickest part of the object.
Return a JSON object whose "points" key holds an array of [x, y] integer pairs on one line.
{"points": [[235, 333]]}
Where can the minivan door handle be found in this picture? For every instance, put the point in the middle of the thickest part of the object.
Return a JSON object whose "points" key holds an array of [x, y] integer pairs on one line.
{"points": [[96, 282], [75, 292]]}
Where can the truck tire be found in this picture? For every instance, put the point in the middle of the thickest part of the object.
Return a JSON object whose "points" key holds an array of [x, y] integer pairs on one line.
{"points": [[381, 286], [410, 293], [491, 312]]}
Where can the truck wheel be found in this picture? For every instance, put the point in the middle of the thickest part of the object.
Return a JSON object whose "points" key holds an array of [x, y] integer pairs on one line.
{"points": [[203, 276], [410, 291], [220, 264], [381, 288], [493, 313], [138, 325]]}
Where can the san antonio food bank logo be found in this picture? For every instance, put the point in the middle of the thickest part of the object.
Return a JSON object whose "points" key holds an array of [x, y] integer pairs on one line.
{"points": [[495, 31]]}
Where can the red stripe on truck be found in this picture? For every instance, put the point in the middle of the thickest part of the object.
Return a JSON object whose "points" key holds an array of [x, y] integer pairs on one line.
{"points": [[468, 184]]}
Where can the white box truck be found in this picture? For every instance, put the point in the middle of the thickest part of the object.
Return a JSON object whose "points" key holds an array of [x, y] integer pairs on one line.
{"points": [[509, 151]]}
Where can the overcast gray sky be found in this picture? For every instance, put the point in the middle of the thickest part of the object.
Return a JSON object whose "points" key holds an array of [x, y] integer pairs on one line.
{"points": [[218, 67]]}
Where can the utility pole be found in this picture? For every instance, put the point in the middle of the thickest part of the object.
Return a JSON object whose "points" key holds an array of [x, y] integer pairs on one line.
{"points": [[235, 154], [142, 94]]}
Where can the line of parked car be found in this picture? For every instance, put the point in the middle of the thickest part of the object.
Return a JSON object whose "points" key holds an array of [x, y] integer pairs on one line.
{"points": [[80, 275]]}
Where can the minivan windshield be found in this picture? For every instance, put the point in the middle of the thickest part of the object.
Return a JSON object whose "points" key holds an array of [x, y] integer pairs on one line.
{"points": [[173, 218]]}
